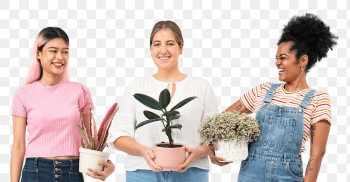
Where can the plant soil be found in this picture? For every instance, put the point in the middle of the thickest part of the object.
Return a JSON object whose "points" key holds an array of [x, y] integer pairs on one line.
{"points": [[166, 145]]}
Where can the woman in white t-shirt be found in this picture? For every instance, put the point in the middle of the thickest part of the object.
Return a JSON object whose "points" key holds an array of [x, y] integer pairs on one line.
{"points": [[166, 44]]}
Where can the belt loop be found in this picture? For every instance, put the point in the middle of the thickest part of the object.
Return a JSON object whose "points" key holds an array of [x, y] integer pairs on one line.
{"points": [[285, 159], [252, 157], [36, 161], [71, 164]]}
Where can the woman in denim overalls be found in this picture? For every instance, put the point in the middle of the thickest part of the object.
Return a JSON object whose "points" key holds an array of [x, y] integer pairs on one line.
{"points": [[275, 156]]}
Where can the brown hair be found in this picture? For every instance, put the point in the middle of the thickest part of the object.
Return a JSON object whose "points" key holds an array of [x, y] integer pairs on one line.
{"points": [[170, 26]]}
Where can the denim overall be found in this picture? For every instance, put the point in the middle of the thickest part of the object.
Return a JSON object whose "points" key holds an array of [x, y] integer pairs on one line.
{"points": [[275, 156]]}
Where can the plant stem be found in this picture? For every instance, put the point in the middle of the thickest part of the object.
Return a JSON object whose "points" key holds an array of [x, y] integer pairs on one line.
{"points": [[168, 130], [163, 122], [170, 137]]}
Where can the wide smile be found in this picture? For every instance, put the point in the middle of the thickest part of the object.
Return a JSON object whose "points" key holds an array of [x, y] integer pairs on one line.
{"points": [[280, 71], [164, 58], [58, 64]]}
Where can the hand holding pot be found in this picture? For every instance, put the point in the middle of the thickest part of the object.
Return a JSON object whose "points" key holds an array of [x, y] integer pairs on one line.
{"points": [[216, 160], [149, 156], [108, 168], [193, 154]]}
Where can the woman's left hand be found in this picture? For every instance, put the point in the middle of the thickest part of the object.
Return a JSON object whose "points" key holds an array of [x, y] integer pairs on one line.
{"points": [[194, 154], [108, 168]]}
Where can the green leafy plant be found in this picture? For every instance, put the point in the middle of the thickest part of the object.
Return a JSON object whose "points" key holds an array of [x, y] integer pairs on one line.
{"points": [[228, 126], [167, 116], [97, 140]]}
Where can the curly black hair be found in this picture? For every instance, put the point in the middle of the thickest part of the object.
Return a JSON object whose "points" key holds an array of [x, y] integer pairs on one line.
{"points": [[311, 37]]}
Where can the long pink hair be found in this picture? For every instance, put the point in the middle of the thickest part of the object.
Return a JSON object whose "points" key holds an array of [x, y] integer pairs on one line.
{"points": [[35, 71]]}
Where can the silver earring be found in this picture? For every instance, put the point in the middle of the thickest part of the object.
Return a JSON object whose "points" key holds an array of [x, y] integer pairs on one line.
{"points": [[302, 68]]}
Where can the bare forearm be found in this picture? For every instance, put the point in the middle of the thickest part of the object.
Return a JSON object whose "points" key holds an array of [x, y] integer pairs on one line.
{"points": [[205, 150], [17, 157], [238, 107], [128, 145], [313, 168], [319, 136]]}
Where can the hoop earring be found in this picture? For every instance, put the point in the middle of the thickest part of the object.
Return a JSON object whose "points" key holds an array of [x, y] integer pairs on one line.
{"points": [[302, 68]]}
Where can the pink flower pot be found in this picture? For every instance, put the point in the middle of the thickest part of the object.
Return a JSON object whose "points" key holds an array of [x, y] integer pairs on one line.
{"points": [[169, 158]]}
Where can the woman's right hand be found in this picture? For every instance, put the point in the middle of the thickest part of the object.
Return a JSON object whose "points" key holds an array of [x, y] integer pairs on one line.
{"points": [[149, 156], [216, 160]]}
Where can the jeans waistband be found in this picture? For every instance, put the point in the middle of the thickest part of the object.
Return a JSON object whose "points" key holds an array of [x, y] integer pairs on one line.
{"points": [[52, 162], [275, 156]]}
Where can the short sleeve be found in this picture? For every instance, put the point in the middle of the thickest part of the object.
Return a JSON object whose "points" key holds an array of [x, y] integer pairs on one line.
{"points": [[322, 109], [18, 106], [125, 119], [85, 100], [249, 98], [210, 106]]}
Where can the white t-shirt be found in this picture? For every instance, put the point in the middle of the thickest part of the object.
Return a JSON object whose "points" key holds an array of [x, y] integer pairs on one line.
{"points": [[131, 113]]}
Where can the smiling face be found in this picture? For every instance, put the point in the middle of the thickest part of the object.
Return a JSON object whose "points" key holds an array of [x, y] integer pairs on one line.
{"points": [[289, 68], [165, 50], [54, 57]]}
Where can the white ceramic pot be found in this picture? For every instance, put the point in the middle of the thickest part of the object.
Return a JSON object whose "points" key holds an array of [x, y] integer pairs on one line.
{"points": [[90, 158], [232, 150]]}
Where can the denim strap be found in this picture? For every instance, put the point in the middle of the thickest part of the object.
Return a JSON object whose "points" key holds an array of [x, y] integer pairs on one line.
{"points": [[307, 99], [71, 164], [36, 161], [269, 95]]}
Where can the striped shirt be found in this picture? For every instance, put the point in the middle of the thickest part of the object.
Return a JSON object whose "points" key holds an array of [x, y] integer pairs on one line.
{"points": [[53, 114], [318, 109]]}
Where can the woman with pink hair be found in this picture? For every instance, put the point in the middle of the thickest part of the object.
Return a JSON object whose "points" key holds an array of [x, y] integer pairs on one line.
{"points": [[50, 107]]}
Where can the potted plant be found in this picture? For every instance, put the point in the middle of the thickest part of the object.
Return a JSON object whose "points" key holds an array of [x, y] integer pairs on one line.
{"points": [[94, 142], [230, 133], [168, 155]]}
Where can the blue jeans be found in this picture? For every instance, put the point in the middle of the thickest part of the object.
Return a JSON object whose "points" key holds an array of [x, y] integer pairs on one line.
{"points": [[192, 174], [44, 170]]}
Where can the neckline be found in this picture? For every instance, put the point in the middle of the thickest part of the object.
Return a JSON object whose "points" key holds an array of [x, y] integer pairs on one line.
{"points": [[182, 81], [293, 92], [50, 86]]}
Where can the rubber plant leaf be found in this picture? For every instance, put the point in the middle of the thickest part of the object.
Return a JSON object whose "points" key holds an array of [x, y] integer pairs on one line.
{"points": [[182, 103], [148, 101], [164, 98], [175, 126], [150, 115], [147, 122]]}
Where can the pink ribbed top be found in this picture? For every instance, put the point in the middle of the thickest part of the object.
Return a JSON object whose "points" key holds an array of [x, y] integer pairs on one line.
{"points": [[53, 114]]}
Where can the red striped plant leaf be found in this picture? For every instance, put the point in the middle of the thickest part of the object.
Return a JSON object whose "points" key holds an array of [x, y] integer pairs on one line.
{"points": [[83, 136], [110, 112], [95, 139], [87, 137], [104, 135], [101, 149], [103, 131]]}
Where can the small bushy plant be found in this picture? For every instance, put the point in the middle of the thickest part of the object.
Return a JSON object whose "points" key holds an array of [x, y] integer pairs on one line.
{"points": [[228, 126]]}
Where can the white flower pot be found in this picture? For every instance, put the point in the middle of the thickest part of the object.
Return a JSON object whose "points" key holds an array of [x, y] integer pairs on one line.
{"points": [[232, 150], [90, 158]]}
